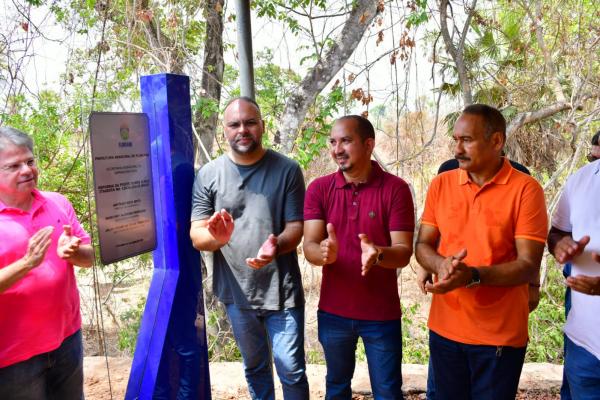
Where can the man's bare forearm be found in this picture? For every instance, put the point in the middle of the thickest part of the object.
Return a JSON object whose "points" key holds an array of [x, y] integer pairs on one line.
{"points": [[428, 257], [395, 256], [13, 273], [312, 252], [511, 273], [289, 239], [202, 239]]}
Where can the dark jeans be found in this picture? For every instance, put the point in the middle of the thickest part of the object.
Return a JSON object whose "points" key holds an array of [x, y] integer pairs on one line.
{"points": [[583, 372], [57, 374], [565, 391], [383, 348], [430, 381], [465, 371]]}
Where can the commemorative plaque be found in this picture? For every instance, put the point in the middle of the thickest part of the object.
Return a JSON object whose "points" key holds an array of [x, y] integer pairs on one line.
{"points": [[122, 184]]}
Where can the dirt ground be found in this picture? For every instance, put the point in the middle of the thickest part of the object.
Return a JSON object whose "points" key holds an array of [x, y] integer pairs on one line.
{"points": [[538, 381], [227, 378]]}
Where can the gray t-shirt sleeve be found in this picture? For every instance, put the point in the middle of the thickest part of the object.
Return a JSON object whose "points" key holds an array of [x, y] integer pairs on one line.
{"points": [[203, 197], [294, 199]]}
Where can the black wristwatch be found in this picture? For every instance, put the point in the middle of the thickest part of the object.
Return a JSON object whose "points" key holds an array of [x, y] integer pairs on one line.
{"points": [[379, 256], [475, 277]]}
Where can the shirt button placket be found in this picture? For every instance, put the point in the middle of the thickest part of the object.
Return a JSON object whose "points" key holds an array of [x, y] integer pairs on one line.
{"points": [[354, 212]]}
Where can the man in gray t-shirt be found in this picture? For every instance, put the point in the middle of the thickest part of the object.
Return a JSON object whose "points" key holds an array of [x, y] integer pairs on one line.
{"points": [[248, 209]]}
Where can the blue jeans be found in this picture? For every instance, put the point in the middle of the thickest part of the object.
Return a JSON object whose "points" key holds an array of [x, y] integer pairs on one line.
{"points": [[465, 371], [262, 335], [583, 372], [383, 347], [565, 391], [57, 374]]}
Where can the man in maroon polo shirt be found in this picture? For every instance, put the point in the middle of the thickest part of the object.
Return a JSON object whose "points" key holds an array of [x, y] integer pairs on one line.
{"points": [[358, 225]]}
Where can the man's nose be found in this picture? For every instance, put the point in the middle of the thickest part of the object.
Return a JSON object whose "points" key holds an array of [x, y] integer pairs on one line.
{"points": [[458, 147], [25, 167], [242, 128]]}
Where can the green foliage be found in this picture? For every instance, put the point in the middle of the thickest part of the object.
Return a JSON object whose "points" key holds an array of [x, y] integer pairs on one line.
{"points": [[130, 327], [415, 348], [279, 10], [314, 356], [274, 86], [450, 120], [314, 136], [221, 345], [58, 145], [547, 321], [207, 107], [361, 354], [418, 15]]}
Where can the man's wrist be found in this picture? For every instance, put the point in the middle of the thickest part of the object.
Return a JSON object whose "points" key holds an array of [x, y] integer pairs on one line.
{"points": [[438, 264], [379, 256], [26, 265], [475, 277]]}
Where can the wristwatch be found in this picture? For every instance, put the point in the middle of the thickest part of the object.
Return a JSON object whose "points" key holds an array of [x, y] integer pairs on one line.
{"points": [[475, 278], [379, 256]]}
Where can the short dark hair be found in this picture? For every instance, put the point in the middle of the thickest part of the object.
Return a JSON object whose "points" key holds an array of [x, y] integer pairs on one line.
{"points": [[595, 139], [493, 118], [243, 98], [365, 127]]}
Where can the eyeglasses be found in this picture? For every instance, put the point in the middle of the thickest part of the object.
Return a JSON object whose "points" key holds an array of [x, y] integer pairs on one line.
{"points": [[12, 168]]}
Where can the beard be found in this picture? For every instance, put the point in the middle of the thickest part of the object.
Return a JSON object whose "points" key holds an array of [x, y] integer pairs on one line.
{"points": [[243, 149], [346, 166]]}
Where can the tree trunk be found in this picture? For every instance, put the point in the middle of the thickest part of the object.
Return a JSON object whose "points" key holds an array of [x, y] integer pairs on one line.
{"points": [[212, 76], [457, 52], [324, 70]]}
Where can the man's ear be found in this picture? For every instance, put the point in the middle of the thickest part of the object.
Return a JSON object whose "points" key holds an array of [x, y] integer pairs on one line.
{"points": [[370, 144], [498, 140]]}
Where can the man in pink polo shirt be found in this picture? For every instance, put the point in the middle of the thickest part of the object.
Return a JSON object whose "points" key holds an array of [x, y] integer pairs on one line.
{"points": [[41, 355], [358, 225]]}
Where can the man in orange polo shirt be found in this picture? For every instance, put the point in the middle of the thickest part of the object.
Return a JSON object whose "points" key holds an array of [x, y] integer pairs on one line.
{"points": [[482, 234]]}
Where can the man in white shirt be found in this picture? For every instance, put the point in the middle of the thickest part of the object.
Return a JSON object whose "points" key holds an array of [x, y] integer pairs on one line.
{"points": [[575, 238]]}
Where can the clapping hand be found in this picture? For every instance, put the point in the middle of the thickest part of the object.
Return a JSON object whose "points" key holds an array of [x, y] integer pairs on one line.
{"points": [[38, 246], [220, 225], [266, 253], [329, 246], [67, 244]]}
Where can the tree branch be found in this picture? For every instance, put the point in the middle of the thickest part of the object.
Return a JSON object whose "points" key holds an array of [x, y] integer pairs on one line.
{"points": [[457, 53], [528, 117], [550, 67], [324, 70]]}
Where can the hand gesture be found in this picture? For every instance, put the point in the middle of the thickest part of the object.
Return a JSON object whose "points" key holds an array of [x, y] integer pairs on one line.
{"points": [[586, 284], [67, 244], [423, 276], [220, 226], [266, 253], [329, 246], [567, 248], [369, 253], [37, 247], [452, 274]]}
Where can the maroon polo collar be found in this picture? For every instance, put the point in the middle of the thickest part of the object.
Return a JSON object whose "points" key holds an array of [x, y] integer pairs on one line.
{"points": [[375, 178]]}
